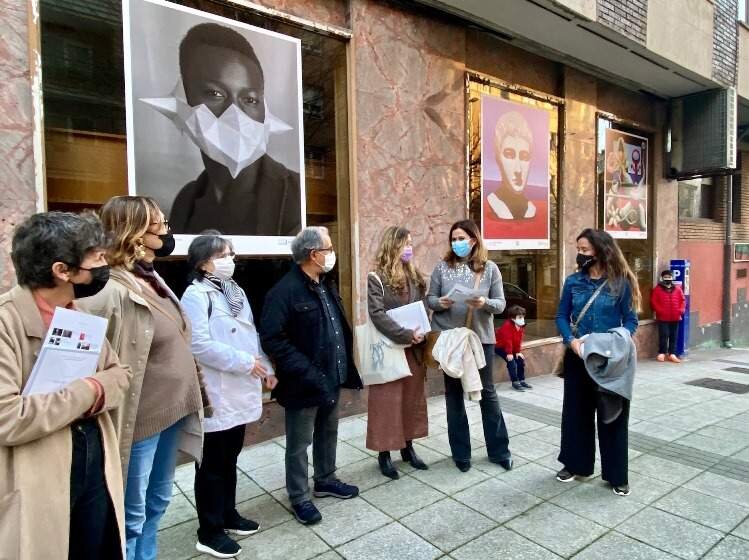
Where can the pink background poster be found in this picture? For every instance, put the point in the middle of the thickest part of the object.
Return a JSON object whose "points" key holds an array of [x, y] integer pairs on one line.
{"points": [[514, 175]]}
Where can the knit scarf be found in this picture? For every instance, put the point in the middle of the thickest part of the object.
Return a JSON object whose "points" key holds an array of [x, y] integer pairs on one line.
{"points": [[145, 271], [231, 290]]}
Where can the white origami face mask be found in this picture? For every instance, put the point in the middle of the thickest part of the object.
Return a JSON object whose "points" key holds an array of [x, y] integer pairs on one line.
{"points": [[233, 139]]}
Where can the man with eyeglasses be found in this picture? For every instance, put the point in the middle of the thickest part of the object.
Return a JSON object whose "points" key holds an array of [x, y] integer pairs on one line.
{"points": [[305, 332]]}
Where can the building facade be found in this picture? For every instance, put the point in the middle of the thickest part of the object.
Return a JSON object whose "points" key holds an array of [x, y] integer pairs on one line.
{"points": [[392, 126]]}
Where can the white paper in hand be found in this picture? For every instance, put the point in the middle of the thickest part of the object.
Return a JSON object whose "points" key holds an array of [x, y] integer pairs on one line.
{"points": [[461, 294], [412, 316], [70, 351]]}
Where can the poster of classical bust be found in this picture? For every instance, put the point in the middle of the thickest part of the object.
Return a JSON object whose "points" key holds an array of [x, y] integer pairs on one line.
{"points": [[514, 175]]}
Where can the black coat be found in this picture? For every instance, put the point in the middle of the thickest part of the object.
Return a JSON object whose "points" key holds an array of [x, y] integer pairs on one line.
{"points": [[293, 333]]}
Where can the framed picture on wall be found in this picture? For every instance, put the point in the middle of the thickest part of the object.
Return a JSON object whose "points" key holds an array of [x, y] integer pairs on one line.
{"points": [[214, 125], [514, 175], [625, 185]]}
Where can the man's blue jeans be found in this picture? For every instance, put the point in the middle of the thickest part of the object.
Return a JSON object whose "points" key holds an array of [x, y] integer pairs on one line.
{"points": [[148, 490]]}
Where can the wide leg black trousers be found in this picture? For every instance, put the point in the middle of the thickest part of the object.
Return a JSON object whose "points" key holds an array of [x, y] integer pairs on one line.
{"points": [[579, 427]]}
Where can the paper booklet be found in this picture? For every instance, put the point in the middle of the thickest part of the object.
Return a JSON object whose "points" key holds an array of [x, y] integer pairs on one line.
{"points": [[459, 294], [412, 316], [70, 351]]}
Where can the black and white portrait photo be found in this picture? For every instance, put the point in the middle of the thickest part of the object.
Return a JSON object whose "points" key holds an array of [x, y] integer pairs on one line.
{"points": [[215, 125]]}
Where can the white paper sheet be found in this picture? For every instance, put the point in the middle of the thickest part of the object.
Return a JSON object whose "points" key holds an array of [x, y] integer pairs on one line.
{"points": [[460, 294], [412, 316], [70, 351]]}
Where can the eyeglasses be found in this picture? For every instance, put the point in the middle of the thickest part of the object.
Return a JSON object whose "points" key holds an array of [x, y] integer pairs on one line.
{"points": [[324, 250]]}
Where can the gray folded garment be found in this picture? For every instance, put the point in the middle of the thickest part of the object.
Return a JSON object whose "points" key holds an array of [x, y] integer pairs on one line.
{"points": [[610, 359]]}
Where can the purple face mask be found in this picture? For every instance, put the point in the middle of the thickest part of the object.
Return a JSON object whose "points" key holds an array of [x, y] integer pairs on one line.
{"points": [[407, 255]]}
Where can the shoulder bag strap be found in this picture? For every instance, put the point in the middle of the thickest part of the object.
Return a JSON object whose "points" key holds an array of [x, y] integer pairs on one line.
{"points": [[380, 281], [476, 282], [381, 285], [587, 305]]}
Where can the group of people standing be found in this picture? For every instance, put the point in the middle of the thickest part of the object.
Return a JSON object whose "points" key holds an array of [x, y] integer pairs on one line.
{"points": [[603, 294], [93, 463]]}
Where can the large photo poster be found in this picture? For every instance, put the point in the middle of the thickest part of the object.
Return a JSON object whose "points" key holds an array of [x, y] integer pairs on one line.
{"points": [[214, 125], [626, 185], [514, 175]]}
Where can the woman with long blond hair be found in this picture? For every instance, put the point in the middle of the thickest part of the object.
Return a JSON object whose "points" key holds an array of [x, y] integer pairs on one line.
{"points": [[603, 294], [467, 265], [398, 409], [150, 332]]}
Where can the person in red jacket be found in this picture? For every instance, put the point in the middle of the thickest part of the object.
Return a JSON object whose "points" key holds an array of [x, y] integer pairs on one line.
{"points": [[509, 342], [668, 302]]}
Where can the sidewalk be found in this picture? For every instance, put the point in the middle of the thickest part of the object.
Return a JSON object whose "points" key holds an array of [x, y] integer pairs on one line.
{"points": [[689, 473]]}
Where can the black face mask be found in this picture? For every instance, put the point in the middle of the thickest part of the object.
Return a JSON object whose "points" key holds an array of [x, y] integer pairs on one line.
{"points": [[167, 247], [99, 279], [584, 262], [668, 283]]}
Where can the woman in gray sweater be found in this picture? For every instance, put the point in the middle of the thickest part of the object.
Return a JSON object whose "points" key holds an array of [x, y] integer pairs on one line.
{"points": [[466, 261]]}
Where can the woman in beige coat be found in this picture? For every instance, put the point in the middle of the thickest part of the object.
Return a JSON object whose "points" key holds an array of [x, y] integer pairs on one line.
{"points": [[60, 478], [151, 333]]}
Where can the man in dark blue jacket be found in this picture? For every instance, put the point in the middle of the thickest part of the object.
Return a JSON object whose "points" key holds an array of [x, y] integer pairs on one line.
{"points": [[304, 331]]}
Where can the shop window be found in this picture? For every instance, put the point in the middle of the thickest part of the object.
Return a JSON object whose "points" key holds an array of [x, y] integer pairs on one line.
{"points": [[531, 276], [85, 138], [625, 198], [698, 198], [703, 198]]}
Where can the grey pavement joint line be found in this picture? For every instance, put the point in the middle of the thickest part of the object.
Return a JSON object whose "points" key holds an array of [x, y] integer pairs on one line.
{"points": [[712, 462]]}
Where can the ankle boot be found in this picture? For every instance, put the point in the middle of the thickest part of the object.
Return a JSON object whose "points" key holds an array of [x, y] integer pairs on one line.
{"points": [[409, 455], [386, 465]]}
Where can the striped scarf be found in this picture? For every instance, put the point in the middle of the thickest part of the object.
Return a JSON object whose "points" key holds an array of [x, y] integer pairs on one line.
{"points": [[231, 290]]}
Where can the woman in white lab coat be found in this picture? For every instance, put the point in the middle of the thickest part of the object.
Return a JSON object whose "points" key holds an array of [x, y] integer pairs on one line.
{"points": [[225, 343]]}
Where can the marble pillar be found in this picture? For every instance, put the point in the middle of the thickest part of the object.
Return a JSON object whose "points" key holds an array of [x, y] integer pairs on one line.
{"points": [[578, 185], [409, 125], [330, 12], [17, 188]]}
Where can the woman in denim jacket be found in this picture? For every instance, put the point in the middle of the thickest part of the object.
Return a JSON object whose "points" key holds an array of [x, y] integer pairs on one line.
{"points": [[599, 261]]}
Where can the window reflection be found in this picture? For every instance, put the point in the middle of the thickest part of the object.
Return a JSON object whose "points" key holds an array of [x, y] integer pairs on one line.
{"points": [[637, 252], [531, 277]]}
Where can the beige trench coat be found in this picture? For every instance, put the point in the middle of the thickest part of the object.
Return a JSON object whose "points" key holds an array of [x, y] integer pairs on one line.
{"points": [[35, 439], [130, 333]]}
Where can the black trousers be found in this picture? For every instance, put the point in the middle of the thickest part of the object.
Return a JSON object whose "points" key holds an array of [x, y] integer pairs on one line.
{"points": [[579, 427], [495, 430], [93, 525], [667, 337], [216, 481]]}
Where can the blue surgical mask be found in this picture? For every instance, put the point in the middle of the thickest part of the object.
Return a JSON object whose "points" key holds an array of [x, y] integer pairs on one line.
{"points": [[461, 248]]}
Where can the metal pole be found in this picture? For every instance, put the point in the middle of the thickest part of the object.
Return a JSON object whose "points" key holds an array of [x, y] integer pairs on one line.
{"points": [[727, 260]]}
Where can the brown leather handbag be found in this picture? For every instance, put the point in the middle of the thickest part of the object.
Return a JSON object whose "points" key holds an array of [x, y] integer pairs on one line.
{"points": [[432, 336]]}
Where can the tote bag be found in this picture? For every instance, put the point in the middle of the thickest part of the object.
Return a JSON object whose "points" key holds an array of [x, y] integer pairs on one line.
{"points": [[379, 359]]}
